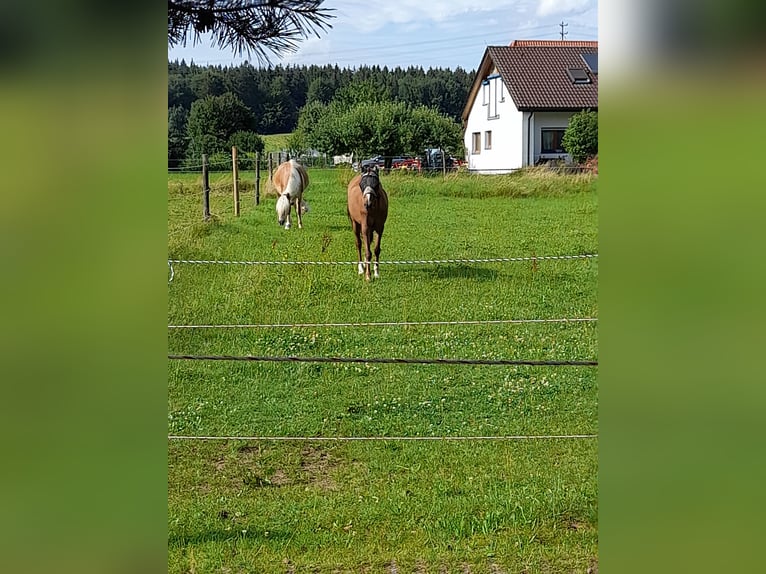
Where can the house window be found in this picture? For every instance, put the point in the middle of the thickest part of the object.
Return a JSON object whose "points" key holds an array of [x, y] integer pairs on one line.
{"points": [[578, 76], [476, 147], [488, 140], [550, 141]]}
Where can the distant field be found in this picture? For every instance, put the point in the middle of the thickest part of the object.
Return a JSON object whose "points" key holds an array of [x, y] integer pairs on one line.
{"points": [[275, 142], [476, 506]]}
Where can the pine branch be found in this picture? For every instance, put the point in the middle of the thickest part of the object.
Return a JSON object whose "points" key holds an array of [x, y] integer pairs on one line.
{"points": [[247, 26]]}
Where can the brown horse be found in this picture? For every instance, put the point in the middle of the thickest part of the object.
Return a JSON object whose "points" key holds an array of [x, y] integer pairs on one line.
{"points": [[367, 209], [291, 179]]}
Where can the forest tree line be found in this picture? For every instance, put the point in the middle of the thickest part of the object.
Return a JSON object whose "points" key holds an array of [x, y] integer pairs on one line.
{"points": [[273, 98]]}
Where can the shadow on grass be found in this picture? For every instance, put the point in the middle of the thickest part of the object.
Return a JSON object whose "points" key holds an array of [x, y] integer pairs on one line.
{"points": [[223, 535]]}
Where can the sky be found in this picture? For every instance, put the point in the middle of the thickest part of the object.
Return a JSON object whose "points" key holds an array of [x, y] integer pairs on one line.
{"points": [[427, 33]]}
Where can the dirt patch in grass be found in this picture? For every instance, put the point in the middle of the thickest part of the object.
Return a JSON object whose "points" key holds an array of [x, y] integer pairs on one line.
{"points": [[260, 467], [318, 465]]}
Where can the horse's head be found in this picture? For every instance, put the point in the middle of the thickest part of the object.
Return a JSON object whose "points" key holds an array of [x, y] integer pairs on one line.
{"points": [[370, 186], [283, 209]]}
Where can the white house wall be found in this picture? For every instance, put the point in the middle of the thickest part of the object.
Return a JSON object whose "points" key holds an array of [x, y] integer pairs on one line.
{"points": [[493, 110]]}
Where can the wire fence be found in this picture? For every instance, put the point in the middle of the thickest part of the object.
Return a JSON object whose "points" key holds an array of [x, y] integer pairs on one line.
{"points": [[409, 164], [385, 360], [382, 438], [382, 360], [533, 258], [401, 262], [386, 323]]}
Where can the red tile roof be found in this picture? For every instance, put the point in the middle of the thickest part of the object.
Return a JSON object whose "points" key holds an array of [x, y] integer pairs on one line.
{"points": [[560, 43]]}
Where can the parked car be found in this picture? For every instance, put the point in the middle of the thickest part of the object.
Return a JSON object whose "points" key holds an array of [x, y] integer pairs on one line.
{"points": [[378, 160]]}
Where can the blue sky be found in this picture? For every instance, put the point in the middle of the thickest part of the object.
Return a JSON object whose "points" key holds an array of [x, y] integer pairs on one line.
{"points": [[427, 33]]}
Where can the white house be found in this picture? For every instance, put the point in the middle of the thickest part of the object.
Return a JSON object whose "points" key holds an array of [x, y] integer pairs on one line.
{"points": [[521, 101]]}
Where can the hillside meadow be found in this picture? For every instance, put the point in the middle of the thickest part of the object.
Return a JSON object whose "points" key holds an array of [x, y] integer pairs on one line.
{"points": [[436, 485]]}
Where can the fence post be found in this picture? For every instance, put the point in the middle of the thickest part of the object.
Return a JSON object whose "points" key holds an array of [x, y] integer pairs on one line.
{"points": [[235, 177], [205, 189], [257, 178], [271, 165]]}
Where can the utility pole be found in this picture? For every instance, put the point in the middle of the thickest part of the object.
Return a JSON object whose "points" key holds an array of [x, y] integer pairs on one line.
{"points": [[562, 29]]}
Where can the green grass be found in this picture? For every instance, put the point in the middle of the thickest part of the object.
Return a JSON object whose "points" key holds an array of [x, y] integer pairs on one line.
{"points": [[428, 506], [275, 142]]}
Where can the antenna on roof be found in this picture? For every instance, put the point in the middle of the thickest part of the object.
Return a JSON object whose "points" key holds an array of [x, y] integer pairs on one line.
{"points": [[562, 30]]}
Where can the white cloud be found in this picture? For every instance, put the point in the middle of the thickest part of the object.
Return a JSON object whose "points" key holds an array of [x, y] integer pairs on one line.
{"points": [[373, 16], [550, 7], [311, 50]]}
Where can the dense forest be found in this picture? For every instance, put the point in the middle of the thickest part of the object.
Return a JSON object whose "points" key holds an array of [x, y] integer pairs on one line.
{"points": [[276, 95]]}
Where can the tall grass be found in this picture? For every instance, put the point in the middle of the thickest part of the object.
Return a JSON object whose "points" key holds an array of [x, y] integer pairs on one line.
{"points": [[487, 506], [529, 182]]}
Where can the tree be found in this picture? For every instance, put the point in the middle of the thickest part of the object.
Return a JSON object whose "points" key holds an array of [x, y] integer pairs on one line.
{"points": [[209, 82], [321, 89], [179, 91], [247, 26], [385, 127], [302, 137], [247, 144], [178, 140], [581, 136], [361, 91], [246, 141], [296, 144], [432, 129], [213, 121]]}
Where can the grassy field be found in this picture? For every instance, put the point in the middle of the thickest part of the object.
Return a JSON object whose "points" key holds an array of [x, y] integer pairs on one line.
{"points": [[275, 142], [474, 506]]}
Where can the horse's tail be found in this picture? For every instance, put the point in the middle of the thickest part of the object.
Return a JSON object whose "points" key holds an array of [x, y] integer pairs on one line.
{"points": [[297, 180]]}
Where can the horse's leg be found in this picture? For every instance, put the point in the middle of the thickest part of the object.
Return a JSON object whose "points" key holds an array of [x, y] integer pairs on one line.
{"points": [[288, 223], [298, 211], [367, 253], [377, 253], [357, 230]]}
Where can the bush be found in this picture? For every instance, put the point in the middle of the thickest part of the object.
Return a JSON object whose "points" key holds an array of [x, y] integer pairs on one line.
{"points": [[581, 137], [219, 161]]}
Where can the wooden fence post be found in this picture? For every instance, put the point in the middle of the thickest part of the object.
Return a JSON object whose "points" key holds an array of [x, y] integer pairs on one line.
{"points": [[205, 189], [271, 165], [235, 177], [257, 178]]}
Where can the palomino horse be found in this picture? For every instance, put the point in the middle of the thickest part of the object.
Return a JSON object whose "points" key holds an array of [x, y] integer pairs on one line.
{"points": [[291, 179], [367, 209]]}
